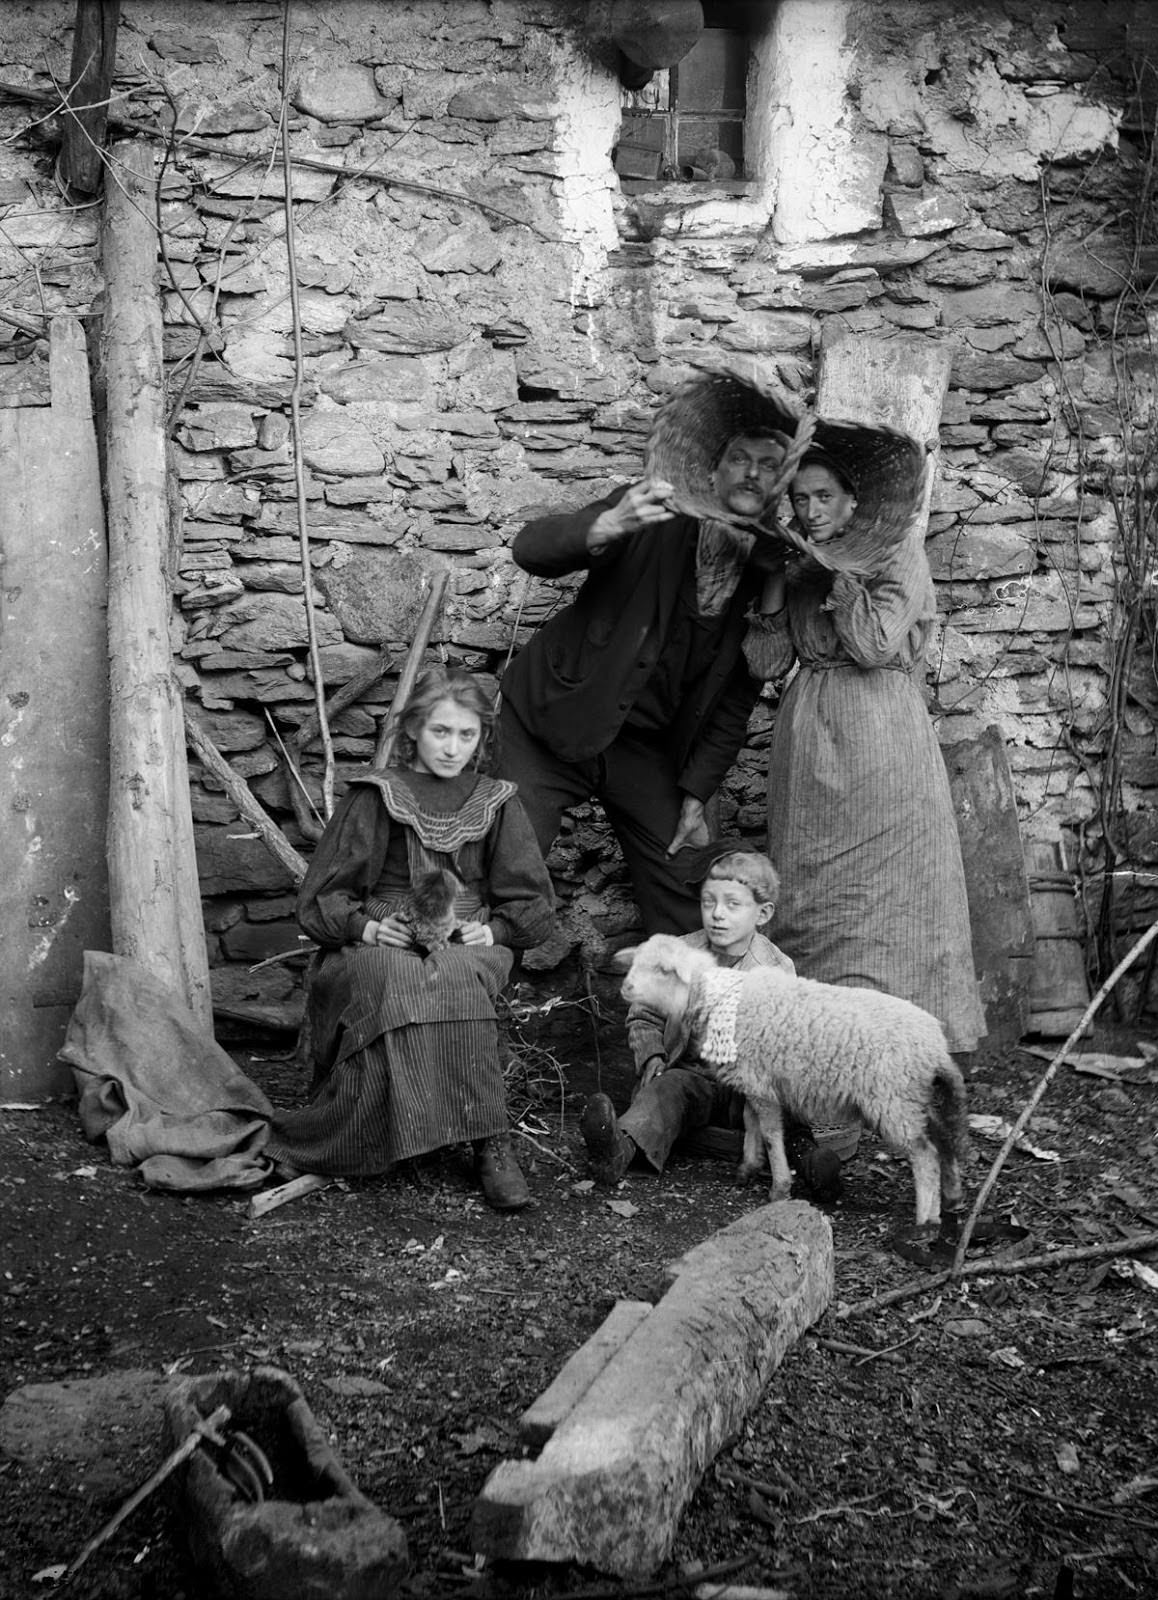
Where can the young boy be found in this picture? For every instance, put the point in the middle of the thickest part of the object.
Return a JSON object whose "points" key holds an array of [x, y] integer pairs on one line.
{"points": [[737, 898]]}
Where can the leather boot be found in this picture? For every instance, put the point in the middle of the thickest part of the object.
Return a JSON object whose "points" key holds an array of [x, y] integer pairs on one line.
{"points": [[609, 1150], [499, 1174]]}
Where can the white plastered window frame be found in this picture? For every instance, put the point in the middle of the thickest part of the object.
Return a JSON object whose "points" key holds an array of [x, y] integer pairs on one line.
{"points": [[812, 171]]}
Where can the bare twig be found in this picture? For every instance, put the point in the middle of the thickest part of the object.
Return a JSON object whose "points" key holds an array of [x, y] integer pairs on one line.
{"points": [[990, 1268], [296, 434], [209, 1428], [27, 95], [1031, 1104]]}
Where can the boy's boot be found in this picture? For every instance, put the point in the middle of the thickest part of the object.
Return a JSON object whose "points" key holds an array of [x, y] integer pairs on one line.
{"points": [[499, 1174], [609, 1150], [818, 1169]]}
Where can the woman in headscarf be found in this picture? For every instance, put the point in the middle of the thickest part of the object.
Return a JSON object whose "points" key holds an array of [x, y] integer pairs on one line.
{"points": [[860, 816]]}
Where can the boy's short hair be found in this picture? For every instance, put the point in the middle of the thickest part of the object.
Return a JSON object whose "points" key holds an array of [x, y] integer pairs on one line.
{"points": [[750, 868]]}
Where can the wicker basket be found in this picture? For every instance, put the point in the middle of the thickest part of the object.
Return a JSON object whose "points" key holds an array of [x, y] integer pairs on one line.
{"points": [[695, 422]]}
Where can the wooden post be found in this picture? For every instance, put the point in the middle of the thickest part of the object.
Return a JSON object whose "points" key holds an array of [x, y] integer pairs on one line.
{"points": [[94, 53], [54, 756], [153, 888]]}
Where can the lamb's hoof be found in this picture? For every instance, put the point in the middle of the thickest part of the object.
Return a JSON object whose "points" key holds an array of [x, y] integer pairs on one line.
{"points": [[781, 1191], [746, 1173]]}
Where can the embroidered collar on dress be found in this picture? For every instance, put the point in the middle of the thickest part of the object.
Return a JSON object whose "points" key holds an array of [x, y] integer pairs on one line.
{"points": [[438, 830]]}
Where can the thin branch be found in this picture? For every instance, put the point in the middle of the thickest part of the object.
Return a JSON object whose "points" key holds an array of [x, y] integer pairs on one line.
{"points": [[296, 433], [123, 124], [1139, 1244], [1031, 1104]]}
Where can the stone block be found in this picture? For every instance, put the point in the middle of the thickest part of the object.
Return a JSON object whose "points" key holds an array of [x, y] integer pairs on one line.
{"points": [[610, 1484], [270, 622], [398, 378], [230, 863], [920, 216], [96, 1432], [344, 93], [333, 441], [378, 595]]}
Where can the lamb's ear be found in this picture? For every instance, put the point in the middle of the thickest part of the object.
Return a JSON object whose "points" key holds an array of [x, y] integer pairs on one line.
{"points": [[622, 959]]}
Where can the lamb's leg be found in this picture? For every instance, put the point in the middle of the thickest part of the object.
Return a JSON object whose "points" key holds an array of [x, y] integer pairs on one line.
{"points": [[950, 1185], [769, 1116], [926, 1164], [752, 1160]]}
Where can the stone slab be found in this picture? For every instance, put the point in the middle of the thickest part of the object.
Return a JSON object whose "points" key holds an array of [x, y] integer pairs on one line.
{"points": [[539, 1421], [609, 1486], [100, 1433]]}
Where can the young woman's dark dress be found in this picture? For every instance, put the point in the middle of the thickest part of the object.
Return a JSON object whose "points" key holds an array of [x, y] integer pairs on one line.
{"points": [[408, 1041]]}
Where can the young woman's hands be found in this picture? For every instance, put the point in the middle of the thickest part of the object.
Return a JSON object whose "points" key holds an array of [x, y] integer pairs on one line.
{"points": [[475, 933]]}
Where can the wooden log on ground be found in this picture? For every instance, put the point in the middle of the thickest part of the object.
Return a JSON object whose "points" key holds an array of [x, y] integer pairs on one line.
{"points": [[90, 80], [154, 893], [610, 1484]]}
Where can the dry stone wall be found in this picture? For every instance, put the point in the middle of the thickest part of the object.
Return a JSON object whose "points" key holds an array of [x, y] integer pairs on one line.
{"points": [[485, 321]]}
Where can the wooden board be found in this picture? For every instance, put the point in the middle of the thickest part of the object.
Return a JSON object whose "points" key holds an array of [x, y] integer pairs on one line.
{"points": [[53, 719], [995, 880]]}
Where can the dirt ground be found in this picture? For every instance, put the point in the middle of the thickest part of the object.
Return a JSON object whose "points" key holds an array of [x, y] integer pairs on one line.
{"points": [[996, 1438]]}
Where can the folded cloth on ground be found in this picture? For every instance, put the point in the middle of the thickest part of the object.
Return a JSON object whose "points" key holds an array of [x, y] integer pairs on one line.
{"points": [[158, 1088]]}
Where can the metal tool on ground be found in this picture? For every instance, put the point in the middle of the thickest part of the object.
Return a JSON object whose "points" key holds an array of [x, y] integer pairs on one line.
{"points": [[209, 1429]]}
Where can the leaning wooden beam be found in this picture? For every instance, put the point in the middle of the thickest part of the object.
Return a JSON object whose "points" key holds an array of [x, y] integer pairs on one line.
{"points": [[154, 895], [94, 53], [243, 798], [413, 663]]}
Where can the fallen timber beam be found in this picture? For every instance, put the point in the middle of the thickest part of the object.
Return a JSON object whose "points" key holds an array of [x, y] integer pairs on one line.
{"points": [[154, 895], [611, 1482]]}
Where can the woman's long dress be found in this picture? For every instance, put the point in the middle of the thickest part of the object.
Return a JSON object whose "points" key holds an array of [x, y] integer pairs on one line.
{"points": [[408, 1041], [860, 816]]}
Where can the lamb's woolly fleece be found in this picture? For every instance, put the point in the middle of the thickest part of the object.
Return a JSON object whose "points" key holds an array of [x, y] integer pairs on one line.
{"points": [[830, 1052]]}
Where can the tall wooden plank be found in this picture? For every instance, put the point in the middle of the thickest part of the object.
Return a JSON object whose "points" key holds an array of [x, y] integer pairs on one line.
{"points": [[94, 53], [53, 719], [153, 888]]}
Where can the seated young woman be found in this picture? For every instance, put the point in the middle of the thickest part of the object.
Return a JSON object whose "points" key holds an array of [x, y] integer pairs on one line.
{"points": [[407, 1037]]}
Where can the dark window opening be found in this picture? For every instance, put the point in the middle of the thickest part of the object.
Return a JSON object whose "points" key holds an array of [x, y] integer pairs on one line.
{"points": [[686, 124]]}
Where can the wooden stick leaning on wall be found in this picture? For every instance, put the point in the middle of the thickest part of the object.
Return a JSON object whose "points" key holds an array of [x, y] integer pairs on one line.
{"points": [[243, 798], [412, 666], [304, 735], [80, 163], [154, 893]]}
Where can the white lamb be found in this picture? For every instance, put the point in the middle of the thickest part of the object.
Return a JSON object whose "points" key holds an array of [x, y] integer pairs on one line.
{"points": [[820, 1051]]}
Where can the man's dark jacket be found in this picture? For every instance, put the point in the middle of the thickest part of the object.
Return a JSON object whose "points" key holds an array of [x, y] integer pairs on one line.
{"points": [[574, 683]]}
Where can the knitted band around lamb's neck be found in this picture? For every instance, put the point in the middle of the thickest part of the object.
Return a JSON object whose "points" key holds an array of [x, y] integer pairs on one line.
{"points": [[720, 996]]}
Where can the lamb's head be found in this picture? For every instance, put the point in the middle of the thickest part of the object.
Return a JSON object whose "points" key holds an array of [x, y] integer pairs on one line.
{"points": [[661, 972]]}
